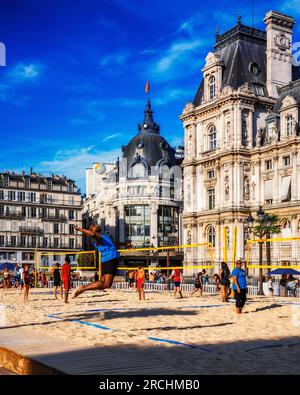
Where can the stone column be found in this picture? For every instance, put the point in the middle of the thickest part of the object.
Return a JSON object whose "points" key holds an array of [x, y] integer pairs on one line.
{"points": [[276, 181], [240, 250], [250, 130], [294, 183], [294, 226], [240, 183]]}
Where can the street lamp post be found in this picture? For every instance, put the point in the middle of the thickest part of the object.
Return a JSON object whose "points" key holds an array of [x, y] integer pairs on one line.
{"points": [[263, 220]]}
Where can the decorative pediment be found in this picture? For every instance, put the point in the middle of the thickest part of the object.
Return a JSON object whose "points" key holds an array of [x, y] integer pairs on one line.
{"points": [[211, 59], [245, 89], [288, 101], [227, 90], [188, 107]]}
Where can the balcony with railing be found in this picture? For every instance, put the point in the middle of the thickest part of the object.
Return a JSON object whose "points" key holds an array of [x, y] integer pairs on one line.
{"points": [[42, 201], [31, 230], [54, 218], [49, 246], [11, 215]]}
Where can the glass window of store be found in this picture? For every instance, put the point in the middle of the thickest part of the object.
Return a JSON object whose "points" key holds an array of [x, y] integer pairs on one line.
{"points": [[167, 222], [137, 224]]}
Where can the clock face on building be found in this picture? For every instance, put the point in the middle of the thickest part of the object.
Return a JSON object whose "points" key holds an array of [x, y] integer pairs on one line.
{"points": [[254, 68], [145, 126], [140, 145], [282, 42]]}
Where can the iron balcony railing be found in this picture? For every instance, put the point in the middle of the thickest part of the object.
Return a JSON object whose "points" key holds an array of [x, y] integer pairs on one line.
{"points": [[31, 230], [9, 215], [41, 246]]}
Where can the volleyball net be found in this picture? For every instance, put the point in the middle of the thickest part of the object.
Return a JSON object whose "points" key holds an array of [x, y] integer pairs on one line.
{"points": [[273, 253], [79, 260], [185, 256]]}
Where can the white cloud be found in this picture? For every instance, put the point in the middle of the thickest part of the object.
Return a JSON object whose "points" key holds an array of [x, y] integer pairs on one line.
{"points": [[89, 113], [291, 6], [115, 59], [13, 79], [73, 162], [176, 52], [111, 136], [24, 72], [170, 95]]}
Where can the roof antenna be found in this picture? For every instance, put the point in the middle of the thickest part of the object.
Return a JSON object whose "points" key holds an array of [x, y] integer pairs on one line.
{"points": [[252, 13]]}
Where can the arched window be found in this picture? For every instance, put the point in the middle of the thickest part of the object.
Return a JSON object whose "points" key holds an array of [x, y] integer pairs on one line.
{"points": [[164, 172], [211, 235], [285, 224], [212, 87], [212, 138], [138, 171], [286, 230]]}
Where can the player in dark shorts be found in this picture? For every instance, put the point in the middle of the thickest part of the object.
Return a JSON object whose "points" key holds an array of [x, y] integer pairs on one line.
{"points": [[27, 282], [224, 275], [109, 259], [198, 284], [239, 286], [56, 271], [176, 277]]}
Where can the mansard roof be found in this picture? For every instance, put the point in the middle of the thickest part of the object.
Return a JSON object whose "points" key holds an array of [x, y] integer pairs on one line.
{"points": [[37, 178], [293, 90]]}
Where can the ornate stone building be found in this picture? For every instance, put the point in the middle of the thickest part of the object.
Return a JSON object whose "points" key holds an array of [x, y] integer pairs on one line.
{"points": [[139, 198], [38, 213], [242, 140]]}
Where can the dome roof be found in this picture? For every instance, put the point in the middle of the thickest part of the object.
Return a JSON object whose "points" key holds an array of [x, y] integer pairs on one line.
{"points": [[148, 146]]}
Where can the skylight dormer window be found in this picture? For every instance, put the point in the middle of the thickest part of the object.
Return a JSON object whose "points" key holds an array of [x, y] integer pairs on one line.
{"points": [[212, 87], [289, 125]]}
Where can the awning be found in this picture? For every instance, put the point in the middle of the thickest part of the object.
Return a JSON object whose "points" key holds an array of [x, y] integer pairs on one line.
{"points": [[268, 189], [280, 272], [286, 188]]}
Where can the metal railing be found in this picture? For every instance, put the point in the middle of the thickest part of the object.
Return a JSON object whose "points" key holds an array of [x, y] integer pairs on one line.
{"points": [[40, 246], [31, 230], [210, 288]]}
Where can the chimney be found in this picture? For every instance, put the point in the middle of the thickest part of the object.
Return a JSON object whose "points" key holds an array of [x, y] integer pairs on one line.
{"points": [[279, 50]]}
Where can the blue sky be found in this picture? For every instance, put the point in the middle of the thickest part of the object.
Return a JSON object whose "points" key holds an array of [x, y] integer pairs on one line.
{"points": [[72, 91]]}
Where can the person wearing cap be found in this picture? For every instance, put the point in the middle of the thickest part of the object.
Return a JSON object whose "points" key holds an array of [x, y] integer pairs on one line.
{"points": [[239, 286]]}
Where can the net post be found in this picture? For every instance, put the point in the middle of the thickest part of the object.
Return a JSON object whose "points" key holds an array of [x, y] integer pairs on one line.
{"points": [[234, 246], [225, 245], [247, 253]]}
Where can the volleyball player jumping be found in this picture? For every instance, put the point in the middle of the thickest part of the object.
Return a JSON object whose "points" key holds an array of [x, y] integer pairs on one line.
{"points": [[109, 259]]}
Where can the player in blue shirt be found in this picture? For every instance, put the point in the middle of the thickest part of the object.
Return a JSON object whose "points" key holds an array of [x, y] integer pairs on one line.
{"points": [[109, 258], [239, 286]]}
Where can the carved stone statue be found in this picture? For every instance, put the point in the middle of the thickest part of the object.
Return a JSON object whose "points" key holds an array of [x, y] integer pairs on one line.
{"points": [[246, 188], [274, 133], [188, 195], [259, 135], [227, 133], [253, 190], [189, 237], [226, 186]]}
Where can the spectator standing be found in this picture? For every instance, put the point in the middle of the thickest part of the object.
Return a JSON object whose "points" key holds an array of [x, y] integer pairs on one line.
{"points": [[239, 286]]}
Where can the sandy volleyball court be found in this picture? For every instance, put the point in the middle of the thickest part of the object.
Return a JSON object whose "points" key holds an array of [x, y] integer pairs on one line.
{"points": [[203, 330]]}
